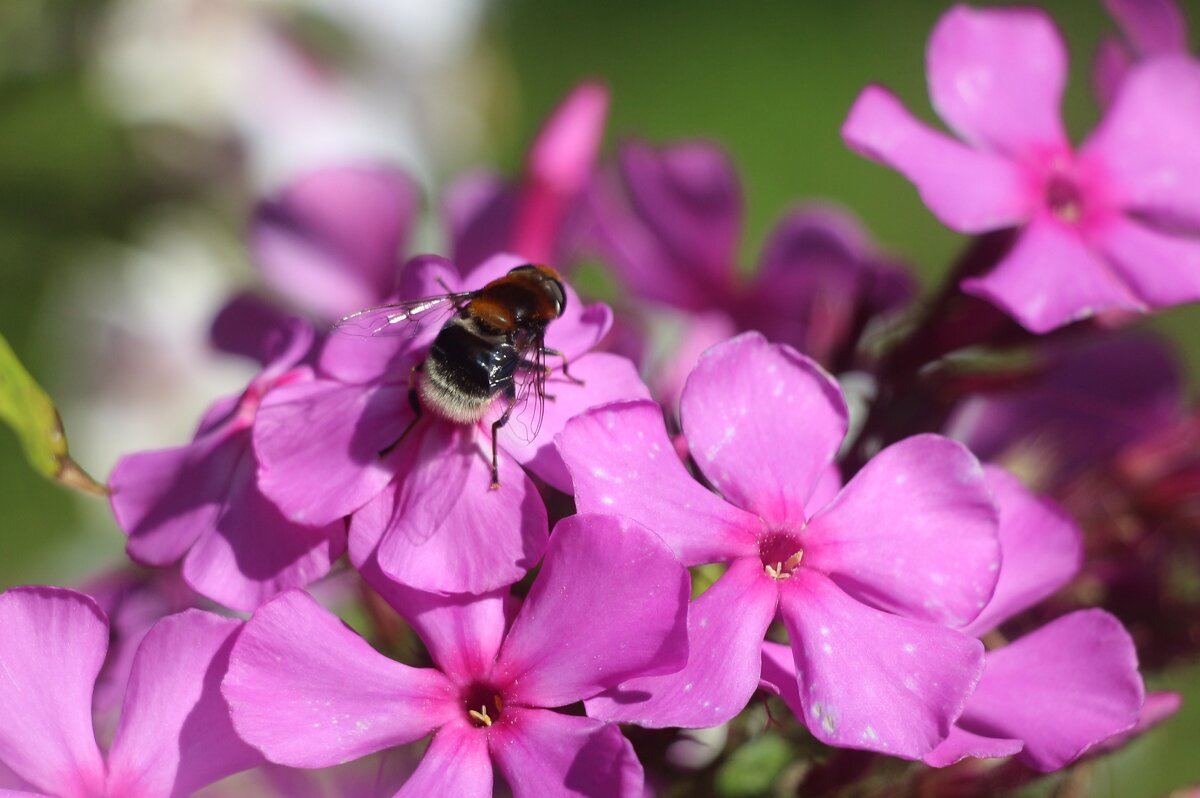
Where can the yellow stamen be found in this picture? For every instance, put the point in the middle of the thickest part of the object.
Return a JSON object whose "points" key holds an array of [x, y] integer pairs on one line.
{"points": [[481, 715], [499, 702], [794, 561]]}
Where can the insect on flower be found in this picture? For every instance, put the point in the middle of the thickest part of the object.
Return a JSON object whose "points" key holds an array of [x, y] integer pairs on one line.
{"points": [[492, 347]]}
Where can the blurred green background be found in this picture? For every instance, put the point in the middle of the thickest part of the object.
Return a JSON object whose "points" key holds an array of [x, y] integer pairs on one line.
{"points": [[770, 80]]}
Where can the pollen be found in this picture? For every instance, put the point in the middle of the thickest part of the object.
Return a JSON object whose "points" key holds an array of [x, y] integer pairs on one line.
{"points": [[481, 717]]}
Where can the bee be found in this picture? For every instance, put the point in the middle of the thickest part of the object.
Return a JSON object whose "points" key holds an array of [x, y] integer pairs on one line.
{"points": [[492, 347]]}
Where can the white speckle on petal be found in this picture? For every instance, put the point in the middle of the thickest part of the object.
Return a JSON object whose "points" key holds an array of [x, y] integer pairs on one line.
{"points": [[909, 648], [828, 649], [901, 479], [606, 500], [825, 631]]}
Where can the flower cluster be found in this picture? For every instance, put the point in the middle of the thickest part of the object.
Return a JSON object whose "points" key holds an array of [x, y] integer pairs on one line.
{"points": [[814, 496]]}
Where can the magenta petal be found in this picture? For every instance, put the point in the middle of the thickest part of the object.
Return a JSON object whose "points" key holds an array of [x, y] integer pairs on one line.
{"points": [[962, 744], [480, 210], [330, 241], [1146, 142], [725, 633], [606, 378], [318, 446], [763, 423], [1111, 65], [455, 765], [175, 734], [543, 753], [871, 680], [253, 552], [622, 462], [914, 532], [1152, 26], [1160, 268], [51, 650], [308, 692], [1041, 549], [996, 76], [1051, 278], [610, 603], [1061, 689], [444, 528], [968, 190]]}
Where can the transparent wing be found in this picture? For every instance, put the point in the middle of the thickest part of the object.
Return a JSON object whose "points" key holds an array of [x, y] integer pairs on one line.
{"points": [[530, 405], [402, 318]]}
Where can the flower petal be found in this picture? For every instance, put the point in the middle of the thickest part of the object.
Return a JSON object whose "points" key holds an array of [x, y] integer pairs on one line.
{"points": [[1160, 268], [1061, 689], [725, 633], [308, 692], [763, 423], [455, 765], [996, 77], [442, 527], [914, 532], [1041, 548], [606, 378], [870, 680], [330, 241], [253, 552], [622, 462], [544, 753], [318, 446], [480, 210], [609, 603], [1145, 143], [1151, 26], [967, 190], [1050, 278], [175, 735], [962, 744], [50, 653]]}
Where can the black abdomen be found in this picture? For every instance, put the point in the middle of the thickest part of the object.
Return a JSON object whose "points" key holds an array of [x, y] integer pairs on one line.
{"points": [[465, 370]]}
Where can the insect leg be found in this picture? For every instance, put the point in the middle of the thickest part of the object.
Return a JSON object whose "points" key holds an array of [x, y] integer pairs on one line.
{"points": [[566, 373], [510, 396], [415, 403], [458, 303]]}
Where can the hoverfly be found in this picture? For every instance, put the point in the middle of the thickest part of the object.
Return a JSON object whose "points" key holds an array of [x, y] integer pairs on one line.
{"points": [[492, 347]]}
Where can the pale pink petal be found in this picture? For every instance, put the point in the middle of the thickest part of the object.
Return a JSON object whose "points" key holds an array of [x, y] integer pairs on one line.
{"points": [[829, 485], [1152, 26], [51, 650], [1160, 268], [18, 794], [164, 499], [253, 552], [330, 241], [442, 527], [1145, 145], [610, 603], [962, 744], [308, 692], [914, 532], [1051, 277], [622, 462], [318, 446], [996, 77], [967, 190], [1041, 549], [871, 680], [559, 167], [1061, 689], [725, 632], [606, 378], [455, 765], [544, 753], [763, 423], [175, 735]]}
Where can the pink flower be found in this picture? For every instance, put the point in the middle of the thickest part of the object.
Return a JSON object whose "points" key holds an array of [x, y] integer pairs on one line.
{"points": [[610, 602], [425, 507], [1149, 28], [1104, 226], [174, 736], [866, 578], [201, 502]]}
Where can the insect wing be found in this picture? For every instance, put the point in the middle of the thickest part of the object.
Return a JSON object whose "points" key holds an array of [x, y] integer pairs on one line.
{"points": [[530, 405], [402, 318]]}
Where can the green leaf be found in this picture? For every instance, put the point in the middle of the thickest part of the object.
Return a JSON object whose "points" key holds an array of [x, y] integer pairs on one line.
{"points": [[26, 408], [751, 769]]}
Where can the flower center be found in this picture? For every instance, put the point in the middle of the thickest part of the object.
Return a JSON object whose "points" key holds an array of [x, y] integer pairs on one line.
{"points": [[483, 704], [781, 554], [1064, 197]]}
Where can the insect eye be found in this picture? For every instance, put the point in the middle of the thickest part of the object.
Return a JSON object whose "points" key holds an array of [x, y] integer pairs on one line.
{"points": [[559, 295]]}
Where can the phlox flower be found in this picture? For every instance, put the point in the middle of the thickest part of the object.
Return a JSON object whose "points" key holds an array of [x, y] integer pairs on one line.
{"points": [[1149, 28], [610, 602], [201, 502], [425, 508], [867, 578], [174, 735], [1106, 226]]}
